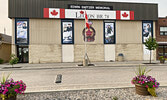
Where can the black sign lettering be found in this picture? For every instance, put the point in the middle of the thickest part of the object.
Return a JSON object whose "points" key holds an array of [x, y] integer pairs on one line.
{"points": [[90, 7]]}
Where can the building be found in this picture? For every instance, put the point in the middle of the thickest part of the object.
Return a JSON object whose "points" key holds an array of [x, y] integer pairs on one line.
{"points": [[54, 30], [5, 47], [161, 37]]}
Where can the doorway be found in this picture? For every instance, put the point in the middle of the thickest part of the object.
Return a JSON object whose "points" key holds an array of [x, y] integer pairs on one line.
{"points": [[22, 54]]}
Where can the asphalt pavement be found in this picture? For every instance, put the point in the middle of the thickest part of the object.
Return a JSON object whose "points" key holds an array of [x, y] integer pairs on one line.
{"points": [[42, 77]]}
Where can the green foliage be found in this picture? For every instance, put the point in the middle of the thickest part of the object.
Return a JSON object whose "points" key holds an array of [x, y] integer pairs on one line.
{"points": [[4, 78], [152, 91], [115, 98], [142, 71], [13, 59], [151, 43], [1, 61], [161, 58], [3, 97]]}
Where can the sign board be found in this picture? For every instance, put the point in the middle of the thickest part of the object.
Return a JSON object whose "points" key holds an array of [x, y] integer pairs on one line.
{"points": [[92, 14], [90, 7]]}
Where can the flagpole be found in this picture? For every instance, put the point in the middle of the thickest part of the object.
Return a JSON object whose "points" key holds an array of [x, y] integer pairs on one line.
{"points": [[85, 37]]}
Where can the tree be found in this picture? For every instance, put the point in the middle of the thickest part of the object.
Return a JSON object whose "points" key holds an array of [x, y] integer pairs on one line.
{"points": [[13, 59], [151, 44]]}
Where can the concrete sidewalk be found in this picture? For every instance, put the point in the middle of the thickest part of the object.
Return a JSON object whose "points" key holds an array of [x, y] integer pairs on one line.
{"points": [[27, 66]]}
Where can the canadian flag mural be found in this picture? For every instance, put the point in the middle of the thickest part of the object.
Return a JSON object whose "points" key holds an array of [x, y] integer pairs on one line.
{"points": [[91, 14], [125, 15], [54, 13]]}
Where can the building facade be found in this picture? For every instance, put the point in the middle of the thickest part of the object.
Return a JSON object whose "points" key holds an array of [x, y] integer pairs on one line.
{"points": [[46, 31], [5, 47], [161, 37]]}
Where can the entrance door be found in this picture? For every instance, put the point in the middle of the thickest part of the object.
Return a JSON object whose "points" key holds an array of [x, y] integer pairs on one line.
{"points": [[22, 54]]}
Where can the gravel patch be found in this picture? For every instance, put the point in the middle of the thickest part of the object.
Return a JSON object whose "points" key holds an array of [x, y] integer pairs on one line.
{"points": [[94, 94]]}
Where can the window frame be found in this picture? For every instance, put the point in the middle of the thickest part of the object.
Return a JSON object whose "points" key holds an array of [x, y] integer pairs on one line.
{"points": [[152, 34], [65, 20], [22, 19], [104, 31]]}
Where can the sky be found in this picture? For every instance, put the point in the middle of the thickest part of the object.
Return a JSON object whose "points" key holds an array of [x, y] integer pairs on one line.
{"points": [[6, 23]]}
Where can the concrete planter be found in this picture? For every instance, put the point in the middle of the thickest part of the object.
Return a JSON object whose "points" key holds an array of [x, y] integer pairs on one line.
{"points": [[162, 61], [141, 90]]}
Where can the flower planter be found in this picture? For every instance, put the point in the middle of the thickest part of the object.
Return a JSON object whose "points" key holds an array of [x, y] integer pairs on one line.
{"points": [[162, 61], [10, 98], [141, 90]]}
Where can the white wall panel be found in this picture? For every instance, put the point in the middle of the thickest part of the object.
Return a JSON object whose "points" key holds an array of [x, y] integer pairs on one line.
{"points": [[109, 52], [146, 54], [68, 53]]}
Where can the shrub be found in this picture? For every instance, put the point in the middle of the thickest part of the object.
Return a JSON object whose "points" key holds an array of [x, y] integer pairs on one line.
{"points": [[151, 44], [1, 61], [142, 71], [161, 58], [13, 59]]}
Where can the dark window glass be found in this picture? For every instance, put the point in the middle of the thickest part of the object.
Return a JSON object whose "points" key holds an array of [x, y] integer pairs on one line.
{"points": [[162, 50], [163, 30]]}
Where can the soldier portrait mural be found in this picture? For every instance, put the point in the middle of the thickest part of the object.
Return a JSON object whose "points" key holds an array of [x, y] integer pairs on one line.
{"points": [[67, 32], [109, 33], [147, 30], [22, 32]]}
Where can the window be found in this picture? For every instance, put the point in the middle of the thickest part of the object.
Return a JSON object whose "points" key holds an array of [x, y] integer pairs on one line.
{"points": [[109, 32], [147, 30], [163, 30], [22, 31], [162, 50], [67, 32]]}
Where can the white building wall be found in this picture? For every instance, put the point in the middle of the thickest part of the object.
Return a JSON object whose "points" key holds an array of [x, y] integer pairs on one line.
{"points": [[68, 53], [109, 51]]}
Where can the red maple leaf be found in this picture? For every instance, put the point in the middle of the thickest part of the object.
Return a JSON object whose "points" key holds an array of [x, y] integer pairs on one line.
{"points": [[54, 13], [124, 14], [81, 12]]}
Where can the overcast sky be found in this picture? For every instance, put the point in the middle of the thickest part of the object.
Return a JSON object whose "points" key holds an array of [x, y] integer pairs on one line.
{"points": [[5, 22]]}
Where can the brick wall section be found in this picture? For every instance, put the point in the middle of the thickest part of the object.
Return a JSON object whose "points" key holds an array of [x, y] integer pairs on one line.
{"points": [[130, 51], [45, 53], [5, 52], [161, 22], [95, 52]]}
